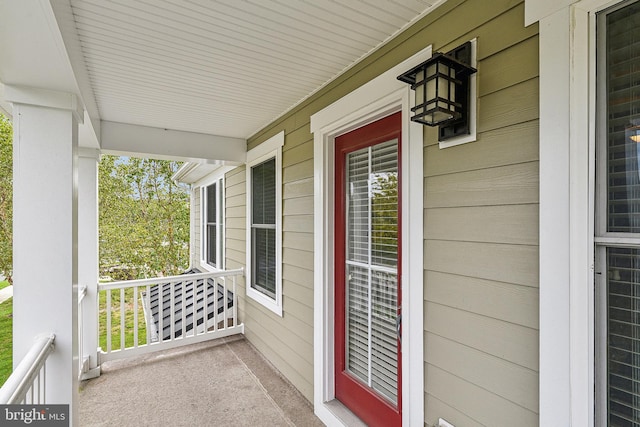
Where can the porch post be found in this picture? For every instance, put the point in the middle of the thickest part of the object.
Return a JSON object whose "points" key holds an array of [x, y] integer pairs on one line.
{"points": [[88, 256], [45, 233]]}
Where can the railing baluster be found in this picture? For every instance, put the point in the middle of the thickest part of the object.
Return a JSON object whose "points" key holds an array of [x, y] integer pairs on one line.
{"points": [[160, 313], [183, 309], [150, 316], [235, 302], [36, 385], [135, 316], [43, 371], [205, 305], [109, 321], [215, 304], [225, 310], [122, 324], [172, 311]]}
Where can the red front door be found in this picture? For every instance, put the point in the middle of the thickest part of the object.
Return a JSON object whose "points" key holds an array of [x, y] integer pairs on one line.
{"points": [[367, 280]]}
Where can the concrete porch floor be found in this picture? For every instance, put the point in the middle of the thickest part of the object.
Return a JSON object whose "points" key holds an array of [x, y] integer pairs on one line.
{"points": [[223, 382]]}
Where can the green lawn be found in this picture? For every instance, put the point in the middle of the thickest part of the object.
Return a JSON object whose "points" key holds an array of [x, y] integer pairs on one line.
{"points": [[4, 284], [6, 343]]}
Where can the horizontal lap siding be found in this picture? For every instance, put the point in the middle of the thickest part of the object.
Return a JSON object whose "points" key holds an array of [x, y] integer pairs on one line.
{"points": [[235, 226], [287, 341], [480, 226], [481, 244]]}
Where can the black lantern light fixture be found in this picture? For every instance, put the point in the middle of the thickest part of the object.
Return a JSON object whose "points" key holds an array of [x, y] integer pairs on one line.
{"points": [[442, 89]]}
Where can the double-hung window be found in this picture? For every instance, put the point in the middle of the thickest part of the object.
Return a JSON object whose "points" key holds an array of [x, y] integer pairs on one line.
{"points": [[212, 197], [617, 233], [264, 234]]}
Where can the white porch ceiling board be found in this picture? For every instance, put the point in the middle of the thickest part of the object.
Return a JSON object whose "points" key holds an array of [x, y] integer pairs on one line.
{"points": [[225, 67]]}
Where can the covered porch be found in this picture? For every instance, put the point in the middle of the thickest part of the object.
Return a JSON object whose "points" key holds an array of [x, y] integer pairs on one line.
{"points": [[190, 81], [168, 388]]}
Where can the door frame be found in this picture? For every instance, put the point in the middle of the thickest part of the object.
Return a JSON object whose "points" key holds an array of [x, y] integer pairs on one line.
{"points": [[376, 99]]}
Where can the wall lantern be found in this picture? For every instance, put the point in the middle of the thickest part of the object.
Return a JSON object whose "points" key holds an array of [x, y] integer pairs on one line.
{"points": [[441, 84]]}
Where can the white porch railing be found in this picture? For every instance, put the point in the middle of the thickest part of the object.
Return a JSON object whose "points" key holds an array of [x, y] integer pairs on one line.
{"points": [[142, 316], [83, 359], [27, 382]]}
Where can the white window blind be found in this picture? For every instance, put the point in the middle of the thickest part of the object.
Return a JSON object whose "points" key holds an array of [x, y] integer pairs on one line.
{"points": [[623, 115], [212, 225], [371, 267], [263, 227], [619, 72]]}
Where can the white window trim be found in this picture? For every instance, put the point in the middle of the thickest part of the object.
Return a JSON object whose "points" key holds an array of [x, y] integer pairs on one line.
{"points": [[220, 235], [200, 187], [271, 148], [567, 183], [374, 100]]}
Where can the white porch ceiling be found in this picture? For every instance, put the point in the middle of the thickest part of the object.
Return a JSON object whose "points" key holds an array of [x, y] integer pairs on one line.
{"points": [[224, 68]]}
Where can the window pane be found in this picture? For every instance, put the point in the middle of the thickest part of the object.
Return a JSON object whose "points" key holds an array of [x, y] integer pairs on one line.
{"points": [[372, 242], [357, 322], [358, 205], [623, 336], [372, 203], [263, 188], [623, 119], [211, 224], [264, 260], [384, 346], [211, 203], [384, 204], [211, 245]]}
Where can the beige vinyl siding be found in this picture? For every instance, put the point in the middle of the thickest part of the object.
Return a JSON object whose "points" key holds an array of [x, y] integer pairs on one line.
{"points": [[288, 341], [235, 226], [480, 227], [481, 245]]}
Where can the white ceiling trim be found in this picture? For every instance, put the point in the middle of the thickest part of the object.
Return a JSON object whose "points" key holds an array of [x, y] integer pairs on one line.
{"points": [[125, 139]]}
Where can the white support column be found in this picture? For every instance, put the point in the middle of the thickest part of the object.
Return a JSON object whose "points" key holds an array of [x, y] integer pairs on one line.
{"points": [[45, 233], [88, 159]]}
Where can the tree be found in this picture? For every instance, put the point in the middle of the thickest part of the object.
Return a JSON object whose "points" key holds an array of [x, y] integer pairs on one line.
{"points": [[6, 197], [384, 215], [143, 218]]}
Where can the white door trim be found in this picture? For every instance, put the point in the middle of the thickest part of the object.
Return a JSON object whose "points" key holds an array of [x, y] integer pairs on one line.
{"points": [[374, 100]]}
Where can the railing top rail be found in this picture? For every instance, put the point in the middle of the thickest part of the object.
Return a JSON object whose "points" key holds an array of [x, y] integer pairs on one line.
{"points": [[179, 278], [16, 386]]}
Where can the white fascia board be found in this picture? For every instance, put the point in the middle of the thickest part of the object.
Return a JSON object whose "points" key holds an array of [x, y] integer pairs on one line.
{"points": [[145, 141], [182, 175], [535, 10], [65, 20]]}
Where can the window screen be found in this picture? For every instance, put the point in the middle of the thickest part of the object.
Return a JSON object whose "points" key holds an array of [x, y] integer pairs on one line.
{"points": [[263, 227], [619, 175], [623, 119]]}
